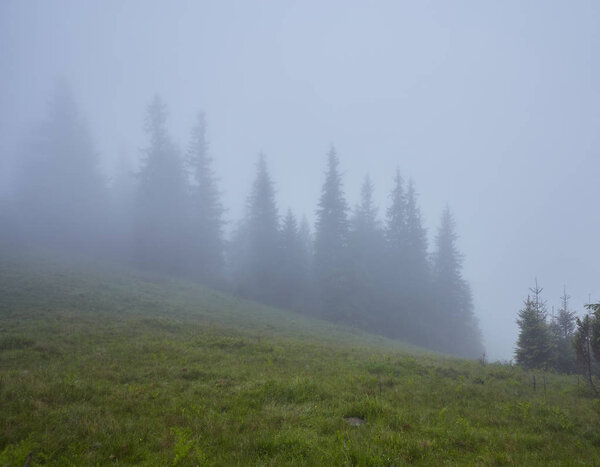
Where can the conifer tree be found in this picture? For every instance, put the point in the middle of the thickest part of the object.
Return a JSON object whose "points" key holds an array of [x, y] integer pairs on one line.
{"points": [[61, 196], [565, 319], [534, 345], [293, 268], [562, 328], [160, 208], [394, 281], [259, 240], [415, 274], [206, 211], [587, 345], [331, 243], [457, 328], [396, 224], [366, 254], [416, 238]]}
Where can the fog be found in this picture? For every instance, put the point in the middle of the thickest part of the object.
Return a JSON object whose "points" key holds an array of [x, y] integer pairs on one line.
{"points": [[492, 108]]}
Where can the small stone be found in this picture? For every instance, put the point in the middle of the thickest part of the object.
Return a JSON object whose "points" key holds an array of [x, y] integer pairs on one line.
{"points": [[355, 421]]}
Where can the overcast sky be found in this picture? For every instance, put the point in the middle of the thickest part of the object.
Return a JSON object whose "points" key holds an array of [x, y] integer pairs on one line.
{"points": [[492, 107]]}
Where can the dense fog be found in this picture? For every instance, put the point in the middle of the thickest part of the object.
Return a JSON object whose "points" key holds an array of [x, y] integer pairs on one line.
{"points": [[406, 168]]}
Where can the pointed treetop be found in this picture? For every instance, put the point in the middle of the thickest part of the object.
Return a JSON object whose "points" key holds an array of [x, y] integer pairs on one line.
{"points": [[365, 213], [156, 116], [198, 144], [396, 228]]}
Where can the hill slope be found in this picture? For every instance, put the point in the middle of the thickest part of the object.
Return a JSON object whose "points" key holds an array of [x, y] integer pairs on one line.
{"points": [[99, 365]]}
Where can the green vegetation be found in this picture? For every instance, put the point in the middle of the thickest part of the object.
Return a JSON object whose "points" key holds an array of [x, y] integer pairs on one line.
{"points": [[100, 366]]}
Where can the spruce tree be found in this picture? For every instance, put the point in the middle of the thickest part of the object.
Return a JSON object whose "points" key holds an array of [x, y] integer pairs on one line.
{"points": [[331, 243], [415, 275], [457, 329], [396, 232], [534, 344], [258, 240], [366, 254], [305, 237], [61, 197], [416, 238], [160, 207], [395, 288], [562, 328], [565, 319], [293, 267], [587, 344], [206, 241]]}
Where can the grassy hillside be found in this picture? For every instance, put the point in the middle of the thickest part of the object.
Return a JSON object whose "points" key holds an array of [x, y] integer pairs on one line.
{"points": [[100, 366]]}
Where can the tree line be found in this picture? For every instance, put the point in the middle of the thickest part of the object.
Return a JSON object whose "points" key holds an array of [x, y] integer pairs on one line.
{"points": [[168, 217], [558, 341]]}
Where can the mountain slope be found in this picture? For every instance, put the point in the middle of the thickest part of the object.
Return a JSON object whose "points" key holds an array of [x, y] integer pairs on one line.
{"points": [[101, 365]]}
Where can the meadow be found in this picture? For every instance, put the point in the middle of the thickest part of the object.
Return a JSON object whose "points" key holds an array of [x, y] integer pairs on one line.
{"points": [[102, 365]]}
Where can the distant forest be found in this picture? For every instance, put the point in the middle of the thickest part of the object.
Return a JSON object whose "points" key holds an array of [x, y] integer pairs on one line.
{"points": [[351, 267]]}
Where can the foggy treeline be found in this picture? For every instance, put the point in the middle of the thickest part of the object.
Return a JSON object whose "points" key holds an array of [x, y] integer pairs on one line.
{"points": [[353, 266]]}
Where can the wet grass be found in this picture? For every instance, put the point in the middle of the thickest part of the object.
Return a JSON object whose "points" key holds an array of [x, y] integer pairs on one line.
{"points": [[99, 365]]}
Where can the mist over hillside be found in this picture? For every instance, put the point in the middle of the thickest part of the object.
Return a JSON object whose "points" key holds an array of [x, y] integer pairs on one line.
{"points": [[485, 108]]}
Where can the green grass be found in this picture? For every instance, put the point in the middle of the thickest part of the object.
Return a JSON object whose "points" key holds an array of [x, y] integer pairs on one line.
{"points": [[99, 365]]}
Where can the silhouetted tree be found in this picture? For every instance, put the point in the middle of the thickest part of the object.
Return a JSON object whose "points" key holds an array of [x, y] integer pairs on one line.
{"points": [[396, 231], [366, 242], [457, 328], [206, 241], [562, 328], [394, 281], [61, 197], [160, 208], [331, 243], [565, 319], [416, 238], [258, 241], [415, 277], [587, 344], [294, 263], [534, 344]]}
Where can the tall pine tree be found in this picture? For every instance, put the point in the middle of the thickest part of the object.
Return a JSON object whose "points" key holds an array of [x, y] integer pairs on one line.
{"points": [[258, 244], [416, 240], [562, 328], [61, 196], [294, 264], [366, 254], [396, 224], [206, 211], [586, 341], [457, 329], [160, 205], [331, 244], [394, 283], [534, 344], [415, 274]]}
